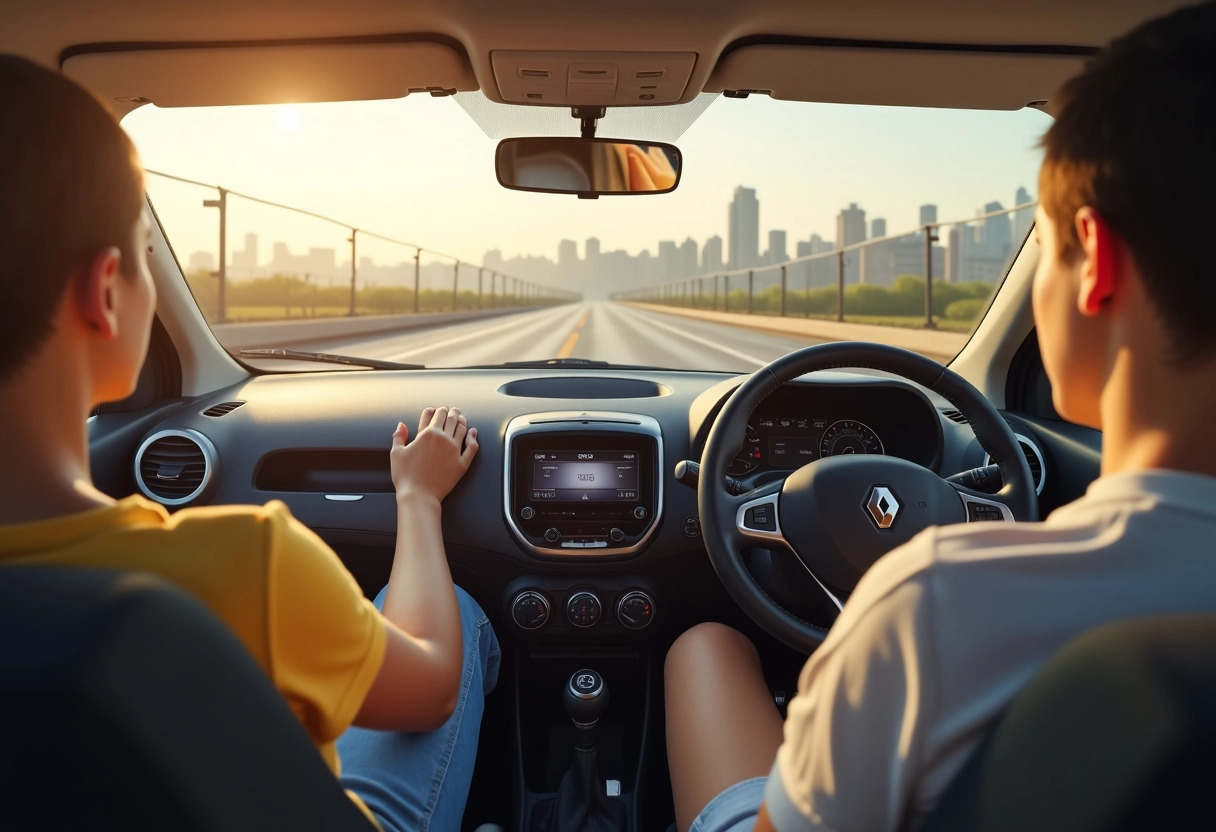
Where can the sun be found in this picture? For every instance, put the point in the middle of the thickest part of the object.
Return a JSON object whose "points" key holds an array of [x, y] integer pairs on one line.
{"points": [[289, 118]]}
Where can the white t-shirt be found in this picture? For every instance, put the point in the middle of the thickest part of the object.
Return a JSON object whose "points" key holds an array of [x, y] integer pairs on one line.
{"points": [[942, 633]]}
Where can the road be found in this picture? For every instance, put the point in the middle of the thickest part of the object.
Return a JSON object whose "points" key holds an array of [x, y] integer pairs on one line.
{"points": [[603, 331]]}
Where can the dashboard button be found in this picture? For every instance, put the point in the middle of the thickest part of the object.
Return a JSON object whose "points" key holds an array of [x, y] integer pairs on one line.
{"points": [[530, 610], [691, 527], [527, 512], [639, 512], [760, 518], [552, 534], [616, 535], [635, 610], [584, 609]]}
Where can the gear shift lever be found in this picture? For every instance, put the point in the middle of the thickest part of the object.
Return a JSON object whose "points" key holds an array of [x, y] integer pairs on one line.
{"points": [[581, 804], [586, 699]]}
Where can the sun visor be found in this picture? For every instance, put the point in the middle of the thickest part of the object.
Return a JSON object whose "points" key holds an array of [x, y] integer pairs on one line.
{"points": [[894, 76], [272, 74]]}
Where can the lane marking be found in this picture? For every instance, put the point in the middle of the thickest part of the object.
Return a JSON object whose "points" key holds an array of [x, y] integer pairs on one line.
{"points": [[583, 320], [568, 347], [759, 362], [478, 333]]}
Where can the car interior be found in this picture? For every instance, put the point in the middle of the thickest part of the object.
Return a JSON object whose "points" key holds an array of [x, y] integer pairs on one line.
{"points": [[713, 515]]}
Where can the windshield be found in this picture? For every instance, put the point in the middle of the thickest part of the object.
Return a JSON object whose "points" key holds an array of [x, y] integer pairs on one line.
{"points": [[378, 230]]}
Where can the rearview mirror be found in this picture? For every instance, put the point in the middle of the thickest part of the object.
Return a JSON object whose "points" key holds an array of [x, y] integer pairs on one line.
{"points": [[587, 167]]}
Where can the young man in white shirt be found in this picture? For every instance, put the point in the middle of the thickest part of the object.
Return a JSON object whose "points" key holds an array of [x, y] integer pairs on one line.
{"points": [[942, 633]]}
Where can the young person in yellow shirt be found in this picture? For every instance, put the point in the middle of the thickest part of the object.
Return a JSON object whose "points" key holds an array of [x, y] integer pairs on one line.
{"points": [[410, 671]]}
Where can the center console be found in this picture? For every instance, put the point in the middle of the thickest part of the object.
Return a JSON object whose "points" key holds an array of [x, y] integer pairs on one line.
{"points": [[579, 483]]}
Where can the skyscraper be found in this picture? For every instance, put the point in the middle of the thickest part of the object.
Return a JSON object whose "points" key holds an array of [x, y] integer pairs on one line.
{"points": [[744, 228], [997, 233], [711, 255], [878, 227], [668, 266], [777, 251], [567, 256], [1023, 219], [850, 229], [687, 258], [928, 214]]}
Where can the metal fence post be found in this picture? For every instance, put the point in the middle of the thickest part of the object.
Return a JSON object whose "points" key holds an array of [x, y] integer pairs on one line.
{"points": [[726, 293], [715, 309], [479, 292], [840, 285], [929, 238], [353, 233], [783, 287], [455, 284], [751, 286], [417, 276], [221, 314]]}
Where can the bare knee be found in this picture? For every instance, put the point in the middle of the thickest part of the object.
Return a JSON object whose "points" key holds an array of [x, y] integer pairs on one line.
{"points": [[707, 648]]}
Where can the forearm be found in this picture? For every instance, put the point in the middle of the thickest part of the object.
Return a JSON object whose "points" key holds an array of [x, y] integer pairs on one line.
{"points": [[420, 599]]}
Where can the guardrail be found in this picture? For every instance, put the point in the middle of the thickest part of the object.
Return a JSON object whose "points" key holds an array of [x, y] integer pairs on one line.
{"points": [[301, 332], [517, 293], [691, 291]]}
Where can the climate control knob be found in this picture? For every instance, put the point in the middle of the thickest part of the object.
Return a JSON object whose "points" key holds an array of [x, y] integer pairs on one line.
{"points": [[584, 609], [552, 534], [616, 535], [530, 610], [635, 610]]}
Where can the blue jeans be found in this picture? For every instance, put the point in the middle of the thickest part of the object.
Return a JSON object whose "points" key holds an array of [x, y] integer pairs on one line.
{"points": [[420, 782]]}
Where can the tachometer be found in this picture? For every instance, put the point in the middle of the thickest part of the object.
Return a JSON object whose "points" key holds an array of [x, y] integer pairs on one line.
{"points": [[848, 436], [748, 457]]}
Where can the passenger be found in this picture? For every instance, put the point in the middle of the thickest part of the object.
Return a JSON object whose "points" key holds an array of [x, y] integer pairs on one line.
{"points": [[77, 301], [943, 632]]}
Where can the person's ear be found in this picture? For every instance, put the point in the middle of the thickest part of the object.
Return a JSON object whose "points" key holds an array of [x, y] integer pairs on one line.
{"points": [[1100, 267], [96, 295]]}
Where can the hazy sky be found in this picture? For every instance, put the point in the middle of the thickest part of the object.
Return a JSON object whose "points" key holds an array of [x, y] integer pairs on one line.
{"points": [[421, 170]]}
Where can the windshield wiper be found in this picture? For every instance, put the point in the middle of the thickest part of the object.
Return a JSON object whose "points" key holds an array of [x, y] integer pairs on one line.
{"points": [[565, 362], [279, 353]]}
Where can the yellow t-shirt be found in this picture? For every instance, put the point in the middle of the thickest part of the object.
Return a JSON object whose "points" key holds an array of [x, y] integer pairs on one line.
{"points": [[276, 585]]}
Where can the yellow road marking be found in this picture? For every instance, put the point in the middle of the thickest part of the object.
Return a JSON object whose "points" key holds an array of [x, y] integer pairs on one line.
{"points": [[582, 320], [568, 347]]}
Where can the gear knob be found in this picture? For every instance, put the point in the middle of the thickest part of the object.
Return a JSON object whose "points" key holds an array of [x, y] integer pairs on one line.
{"points": [[585, 697]]}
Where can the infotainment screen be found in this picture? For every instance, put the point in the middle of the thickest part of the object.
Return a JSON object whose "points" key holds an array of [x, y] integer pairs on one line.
{"points": [[585, 476]]}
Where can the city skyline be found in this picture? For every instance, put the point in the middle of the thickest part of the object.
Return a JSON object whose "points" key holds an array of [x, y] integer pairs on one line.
{"points": [[964, 251]]}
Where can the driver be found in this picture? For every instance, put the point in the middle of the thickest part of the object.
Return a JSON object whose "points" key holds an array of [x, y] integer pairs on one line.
{"points": [[942, 633]]}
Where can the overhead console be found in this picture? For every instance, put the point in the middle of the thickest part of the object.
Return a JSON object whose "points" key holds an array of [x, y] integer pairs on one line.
{"points": [[583, 484]]}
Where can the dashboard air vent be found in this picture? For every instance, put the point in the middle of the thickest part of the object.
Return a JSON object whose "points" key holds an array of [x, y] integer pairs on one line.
{"points": [[218, 410], [1033, 457], [174, 466], [955, 416]]}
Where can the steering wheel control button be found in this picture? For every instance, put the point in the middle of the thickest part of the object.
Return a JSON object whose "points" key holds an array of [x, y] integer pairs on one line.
{"points": [[980, 513], [882, 506], [616, 535], [635, 610], [691, 527], [527, 512], [530, 610], [640, 512], [761, 518], [584, 609], [552, 534]]}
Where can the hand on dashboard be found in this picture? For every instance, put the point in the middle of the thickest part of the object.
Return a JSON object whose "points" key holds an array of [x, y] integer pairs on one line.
{"points": [[435, 461]]}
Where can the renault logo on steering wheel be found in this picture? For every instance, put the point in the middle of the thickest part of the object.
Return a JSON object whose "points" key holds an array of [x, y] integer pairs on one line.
{"points": [[882, 506]]}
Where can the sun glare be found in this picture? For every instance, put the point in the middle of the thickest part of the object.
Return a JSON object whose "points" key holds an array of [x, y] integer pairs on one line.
{"points": [[289, 118]]}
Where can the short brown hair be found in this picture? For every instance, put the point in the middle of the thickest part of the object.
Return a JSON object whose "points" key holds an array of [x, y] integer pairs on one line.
{"points": [[1135, 139], [70, 185]]}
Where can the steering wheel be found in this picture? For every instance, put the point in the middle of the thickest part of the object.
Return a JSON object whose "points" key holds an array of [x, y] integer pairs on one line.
{"points": [[839, 514]]}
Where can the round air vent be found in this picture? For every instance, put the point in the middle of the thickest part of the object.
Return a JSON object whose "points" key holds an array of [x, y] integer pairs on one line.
{"points": [[1033, 457], [174, 466]]}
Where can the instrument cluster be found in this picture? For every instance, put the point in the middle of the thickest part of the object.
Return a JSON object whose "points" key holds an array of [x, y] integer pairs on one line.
{"points": [[790, 440]]}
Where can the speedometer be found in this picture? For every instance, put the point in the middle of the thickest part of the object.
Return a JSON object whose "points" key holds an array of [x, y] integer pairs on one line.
{"points": [[848, 436], [748, 457]]}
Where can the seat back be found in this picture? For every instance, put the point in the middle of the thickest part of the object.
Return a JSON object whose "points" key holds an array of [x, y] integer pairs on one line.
{"points": [[125, 704], [1116, 732]]}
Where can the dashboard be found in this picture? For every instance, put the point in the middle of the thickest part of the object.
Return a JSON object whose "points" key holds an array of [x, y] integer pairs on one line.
{"points": [[571, 515]]}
